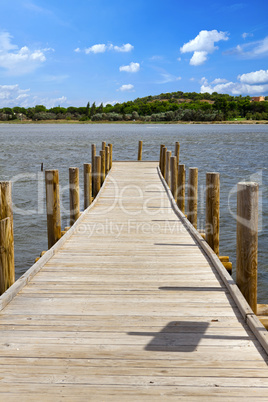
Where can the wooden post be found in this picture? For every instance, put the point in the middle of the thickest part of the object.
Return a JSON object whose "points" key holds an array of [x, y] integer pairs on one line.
{"points": [[213, 211], [87, 185], [97, 175], [168, 167], [164, 164], [7, 265], [53, 207], [110, 155], [93, 154], [103, 145], [6, 201], [107, 160], [181, 188], [74, 194], [102, 155], [160, 157], [174, 176], [140, 151], [192, 196], [177, 151], [247, 241]]}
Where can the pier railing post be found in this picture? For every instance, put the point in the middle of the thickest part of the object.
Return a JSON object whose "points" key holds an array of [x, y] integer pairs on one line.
{"points": [[213, 211], [164, 162], [74, 194], [103, 145], [247, 241], [174, 176], [102, 155], [87, 185], [140, 151], [177, 152], [53, 207], [161, 156], [97, 175], [181, 188], [168, 153], [93, 154], [110, 155], [192, 196], [7, 265], [107, 160]]}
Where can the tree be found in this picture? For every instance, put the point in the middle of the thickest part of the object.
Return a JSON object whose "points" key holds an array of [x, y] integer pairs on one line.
{"points": [[88, 110], [40, 108], [93, 109]]}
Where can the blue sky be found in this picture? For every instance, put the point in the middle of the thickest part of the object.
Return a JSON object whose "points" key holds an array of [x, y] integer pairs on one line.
{"points": [[68, 53]]}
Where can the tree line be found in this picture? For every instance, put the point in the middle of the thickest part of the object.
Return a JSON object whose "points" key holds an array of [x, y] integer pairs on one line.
{"points": [[175, 106]]}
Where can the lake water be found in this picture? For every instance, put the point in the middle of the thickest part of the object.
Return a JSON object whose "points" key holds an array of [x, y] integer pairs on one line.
{"points": [[237, 152]]}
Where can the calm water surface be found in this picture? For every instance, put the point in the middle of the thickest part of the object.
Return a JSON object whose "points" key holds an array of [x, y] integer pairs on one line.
{"points": [[237, 152]]}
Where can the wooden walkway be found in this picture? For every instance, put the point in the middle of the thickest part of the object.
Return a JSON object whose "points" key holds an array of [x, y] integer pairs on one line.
{"points": [[128, 307]]}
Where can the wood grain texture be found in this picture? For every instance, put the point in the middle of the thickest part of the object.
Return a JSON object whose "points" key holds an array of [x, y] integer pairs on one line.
{"points": [[128, 308], [87, 185], [74, 194], [192, 196], [213, 211], [247, 241]]}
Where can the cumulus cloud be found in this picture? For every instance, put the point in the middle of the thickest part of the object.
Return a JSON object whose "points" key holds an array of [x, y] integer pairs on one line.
{"points": [[124, 48], [254, 83], [19, 61], [131, 68], [256, 77], [77, 50], [219, 81], [202, 45], [126, 87], [102, 48], [12, 95]]}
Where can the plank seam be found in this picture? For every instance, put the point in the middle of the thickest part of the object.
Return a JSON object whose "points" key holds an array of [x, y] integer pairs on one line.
{"points": [[248, 315]]}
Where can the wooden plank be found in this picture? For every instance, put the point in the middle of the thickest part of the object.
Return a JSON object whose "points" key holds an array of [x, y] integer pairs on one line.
{"points": [[144, 315]]}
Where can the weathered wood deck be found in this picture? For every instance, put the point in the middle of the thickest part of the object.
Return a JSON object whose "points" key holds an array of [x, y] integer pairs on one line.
{"points": [[128, 306]]}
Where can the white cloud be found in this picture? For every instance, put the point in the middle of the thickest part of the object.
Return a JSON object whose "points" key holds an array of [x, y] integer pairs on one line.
{"points": [[246, 35], [256, 77], [202, 45], [19, 61], [12, 95], [168, 78], [77, 50], [251, 50], [198, 58], [248, 84], [126, 87], [110, 103], [131, 68], [219, 81], [100, 48], [124, 48]]}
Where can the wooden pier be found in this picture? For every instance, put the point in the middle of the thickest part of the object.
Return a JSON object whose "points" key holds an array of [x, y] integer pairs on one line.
{"points": [[131, 304]]}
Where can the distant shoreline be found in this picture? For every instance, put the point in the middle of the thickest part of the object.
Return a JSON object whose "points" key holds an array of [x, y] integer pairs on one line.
{"points": [[132, 122]]}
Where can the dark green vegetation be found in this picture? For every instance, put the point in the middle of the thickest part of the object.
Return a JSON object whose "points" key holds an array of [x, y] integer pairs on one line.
{"points": [[175, 106]]}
